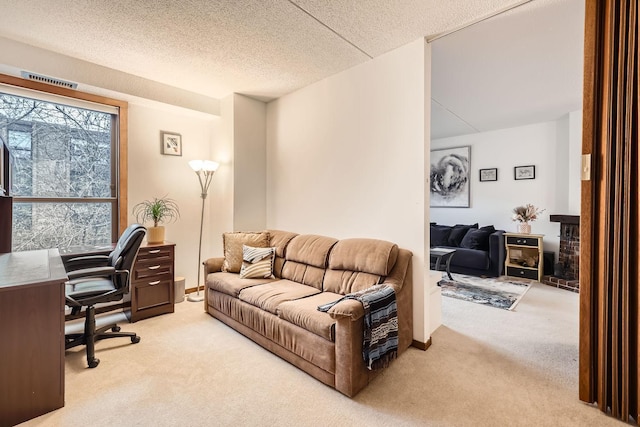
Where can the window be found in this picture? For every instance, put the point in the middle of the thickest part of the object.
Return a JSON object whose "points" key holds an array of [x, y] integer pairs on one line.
{"points": [[65, 168]]}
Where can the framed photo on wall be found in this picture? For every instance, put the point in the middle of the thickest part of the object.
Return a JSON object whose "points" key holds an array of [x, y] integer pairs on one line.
{"points": [[488, 174], [450, 177], [524, 172], [171, 143]]}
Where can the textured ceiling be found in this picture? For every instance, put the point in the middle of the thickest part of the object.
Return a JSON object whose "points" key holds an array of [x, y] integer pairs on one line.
{"points": [[261, 48]]}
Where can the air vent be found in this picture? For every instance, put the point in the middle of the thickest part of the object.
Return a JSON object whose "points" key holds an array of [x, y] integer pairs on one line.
{"points": [[48, 80]]}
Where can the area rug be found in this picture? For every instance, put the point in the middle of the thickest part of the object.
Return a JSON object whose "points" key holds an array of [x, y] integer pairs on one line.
{"points": [[500, 292]]}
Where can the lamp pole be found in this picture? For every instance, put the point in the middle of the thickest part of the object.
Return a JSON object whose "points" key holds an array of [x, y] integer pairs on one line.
{"points": [[204, 169]]}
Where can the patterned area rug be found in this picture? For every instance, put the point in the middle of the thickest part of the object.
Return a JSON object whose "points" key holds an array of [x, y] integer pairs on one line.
{"points": [[500, 292]]}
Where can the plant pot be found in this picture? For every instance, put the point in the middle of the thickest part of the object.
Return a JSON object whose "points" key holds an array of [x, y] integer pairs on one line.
{"points": [[524, 228], [155, 234]]}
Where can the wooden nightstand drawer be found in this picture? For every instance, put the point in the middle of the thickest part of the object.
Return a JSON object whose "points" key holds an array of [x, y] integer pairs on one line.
{"points": [[156, 254], [153, 294], [522, 241], [151, 269], [522, 272]]}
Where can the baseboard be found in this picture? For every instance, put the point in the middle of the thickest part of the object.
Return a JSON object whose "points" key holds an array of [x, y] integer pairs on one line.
{"points": [[192, 290], [421, 345]]}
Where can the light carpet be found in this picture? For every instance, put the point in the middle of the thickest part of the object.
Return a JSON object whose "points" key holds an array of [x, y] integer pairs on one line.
{"points": [[501, 292], [484, 368]]}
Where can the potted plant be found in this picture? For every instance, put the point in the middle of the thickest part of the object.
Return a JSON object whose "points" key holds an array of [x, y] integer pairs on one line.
{"points": [[159, 211], [525, 214]]}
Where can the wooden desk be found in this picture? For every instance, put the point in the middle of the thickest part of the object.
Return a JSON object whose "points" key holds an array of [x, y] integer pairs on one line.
{"points": [[32, 334]]}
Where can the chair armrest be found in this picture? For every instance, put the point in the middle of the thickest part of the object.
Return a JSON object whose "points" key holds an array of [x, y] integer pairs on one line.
{"points": [[93, 272], [213, 265], [348, 308], [84, 262]]}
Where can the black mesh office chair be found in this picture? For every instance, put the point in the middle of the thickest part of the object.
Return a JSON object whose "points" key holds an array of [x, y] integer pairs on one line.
{"points": [[98, 279]]}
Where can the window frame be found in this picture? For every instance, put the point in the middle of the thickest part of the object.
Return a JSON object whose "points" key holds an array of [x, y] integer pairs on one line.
{"points": [[120, 214]]}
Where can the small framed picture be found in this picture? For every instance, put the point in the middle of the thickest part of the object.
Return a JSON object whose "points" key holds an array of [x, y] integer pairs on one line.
{"points": [[488, 174], [171, 143], [524, 172]]}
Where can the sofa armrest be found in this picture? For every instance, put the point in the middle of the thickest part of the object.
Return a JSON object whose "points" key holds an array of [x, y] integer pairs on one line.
{"points": [[497, 252], [213, 265], [347, 309]]}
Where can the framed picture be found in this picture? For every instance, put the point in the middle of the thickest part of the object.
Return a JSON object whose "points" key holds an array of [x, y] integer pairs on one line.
{"points": [[171, 143], [489, 174], [524, 172], [450, 177]]}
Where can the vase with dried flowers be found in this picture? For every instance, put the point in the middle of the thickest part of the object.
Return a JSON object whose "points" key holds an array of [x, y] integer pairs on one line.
{"points": [[525, 214]]}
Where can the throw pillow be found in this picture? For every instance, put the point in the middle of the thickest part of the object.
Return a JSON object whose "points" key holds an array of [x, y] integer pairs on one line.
{"points": [[439, 235], [233, 242], [458, 232], [476, 239], [257, 263]]}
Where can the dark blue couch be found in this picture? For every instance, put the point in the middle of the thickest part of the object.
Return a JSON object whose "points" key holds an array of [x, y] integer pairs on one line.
{"points": [[480, 251]]}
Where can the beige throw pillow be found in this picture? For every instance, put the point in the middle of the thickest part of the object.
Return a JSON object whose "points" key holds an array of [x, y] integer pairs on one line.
{"points": [[257, 263], [232, 243]]}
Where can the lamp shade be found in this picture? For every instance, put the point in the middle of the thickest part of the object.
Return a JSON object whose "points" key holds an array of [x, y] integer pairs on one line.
{"points": [[204, 165]]}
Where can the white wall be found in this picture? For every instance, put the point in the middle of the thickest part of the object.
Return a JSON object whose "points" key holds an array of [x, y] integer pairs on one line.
{"points": [[550, 146], [250, 163], [152, 174], [345, 158]]}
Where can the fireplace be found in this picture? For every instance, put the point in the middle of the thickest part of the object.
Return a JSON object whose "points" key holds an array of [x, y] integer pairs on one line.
{"points": [[566, 272]]}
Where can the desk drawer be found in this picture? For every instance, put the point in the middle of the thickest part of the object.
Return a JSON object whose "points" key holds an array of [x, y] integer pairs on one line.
{"points": [[149, 270], [153, 294], [522, 272], [155, 253], [522, 241]]}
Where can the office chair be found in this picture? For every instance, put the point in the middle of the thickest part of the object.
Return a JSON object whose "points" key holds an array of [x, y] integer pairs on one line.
{"points": [[97, 279]]}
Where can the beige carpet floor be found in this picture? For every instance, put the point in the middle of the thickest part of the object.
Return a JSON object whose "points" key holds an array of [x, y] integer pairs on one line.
{"points": [[486, 367]]}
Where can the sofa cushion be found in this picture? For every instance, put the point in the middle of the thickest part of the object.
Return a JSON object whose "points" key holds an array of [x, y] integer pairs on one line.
{"points": [[476, 239], [364, 255], [270, 295], [304, 313], [458, 232], [231, 284], [279, 240], [439, 235], [257, 263], [306, 258], [232, 243], [346, 281], [310, 249], [471, 258]]}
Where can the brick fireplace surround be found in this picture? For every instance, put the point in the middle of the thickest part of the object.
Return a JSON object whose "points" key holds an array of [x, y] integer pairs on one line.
{"points": [[567, 270]]}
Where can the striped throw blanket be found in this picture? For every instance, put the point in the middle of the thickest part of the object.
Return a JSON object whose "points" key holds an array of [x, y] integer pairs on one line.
{"points": [[380, 341]]}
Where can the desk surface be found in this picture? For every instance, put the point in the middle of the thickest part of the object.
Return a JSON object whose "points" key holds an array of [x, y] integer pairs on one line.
{"points": [[28, 267]]}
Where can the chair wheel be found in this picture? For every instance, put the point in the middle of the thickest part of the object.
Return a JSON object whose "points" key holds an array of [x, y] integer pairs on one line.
{"points": [[94, 362], [135, 339], [115, 329]]}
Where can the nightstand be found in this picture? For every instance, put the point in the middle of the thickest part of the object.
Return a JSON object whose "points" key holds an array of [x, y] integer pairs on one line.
{"points": [[524, 256], [152, 281]]}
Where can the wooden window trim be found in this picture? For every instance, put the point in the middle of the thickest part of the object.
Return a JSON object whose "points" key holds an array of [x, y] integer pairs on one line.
{"points": [[123, 131]]}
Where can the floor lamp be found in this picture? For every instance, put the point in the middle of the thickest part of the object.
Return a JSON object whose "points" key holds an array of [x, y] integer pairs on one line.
{"points": [[205, 170]]}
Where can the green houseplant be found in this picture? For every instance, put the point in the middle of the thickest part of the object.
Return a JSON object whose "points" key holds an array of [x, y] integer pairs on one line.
{"points": [[158, 210]]}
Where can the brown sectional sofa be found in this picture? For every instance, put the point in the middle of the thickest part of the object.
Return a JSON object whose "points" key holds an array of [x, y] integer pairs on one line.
{"points": [[281, 314]]}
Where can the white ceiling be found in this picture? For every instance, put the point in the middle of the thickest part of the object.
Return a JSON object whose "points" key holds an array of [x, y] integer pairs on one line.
{"points": [[267, 48]]}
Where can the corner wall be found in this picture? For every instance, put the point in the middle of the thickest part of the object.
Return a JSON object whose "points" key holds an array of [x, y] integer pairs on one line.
{"points": [[346, 158]]}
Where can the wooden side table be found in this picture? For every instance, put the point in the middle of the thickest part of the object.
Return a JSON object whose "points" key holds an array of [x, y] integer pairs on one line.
{"points": [[152, 281], [525, 255]]}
